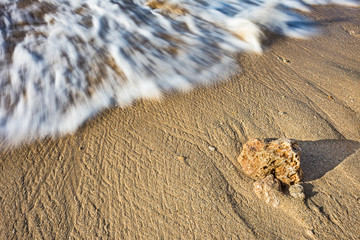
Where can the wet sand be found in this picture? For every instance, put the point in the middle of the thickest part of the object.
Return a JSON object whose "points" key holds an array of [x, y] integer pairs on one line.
{"points": [[168, 169]]}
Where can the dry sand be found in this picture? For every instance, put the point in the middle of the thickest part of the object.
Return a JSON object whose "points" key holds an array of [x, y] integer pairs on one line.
{"points": [[147, 172]]}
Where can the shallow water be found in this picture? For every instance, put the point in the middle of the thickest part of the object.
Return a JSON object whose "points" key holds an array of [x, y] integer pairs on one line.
{"points": [[63, 61]]}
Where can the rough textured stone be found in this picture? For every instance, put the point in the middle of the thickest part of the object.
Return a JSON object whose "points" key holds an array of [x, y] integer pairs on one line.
{"points": [[297, 191], [267, 189], [281, 157]]}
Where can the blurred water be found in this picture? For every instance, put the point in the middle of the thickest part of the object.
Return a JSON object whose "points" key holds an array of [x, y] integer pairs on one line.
{"points": [[63, 61]]}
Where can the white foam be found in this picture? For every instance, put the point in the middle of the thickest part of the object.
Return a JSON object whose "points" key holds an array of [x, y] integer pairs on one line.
{"points": [[63, 61]]}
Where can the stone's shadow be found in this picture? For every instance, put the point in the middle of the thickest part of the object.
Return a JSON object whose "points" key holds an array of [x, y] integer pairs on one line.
{"points": [[320, 157], [309, 190]]}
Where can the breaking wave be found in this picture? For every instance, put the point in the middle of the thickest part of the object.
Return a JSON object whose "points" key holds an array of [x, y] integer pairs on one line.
{"points": [[62, 61]]}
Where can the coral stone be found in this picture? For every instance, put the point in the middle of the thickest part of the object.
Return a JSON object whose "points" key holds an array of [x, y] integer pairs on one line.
{"points": [[280, 157]]}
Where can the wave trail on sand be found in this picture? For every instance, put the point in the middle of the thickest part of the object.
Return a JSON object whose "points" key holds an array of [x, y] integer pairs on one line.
{"points": [[63, 61]]}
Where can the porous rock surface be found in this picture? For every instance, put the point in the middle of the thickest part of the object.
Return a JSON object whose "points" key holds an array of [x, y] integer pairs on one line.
{"points": [[280, 157], [267, 189]]}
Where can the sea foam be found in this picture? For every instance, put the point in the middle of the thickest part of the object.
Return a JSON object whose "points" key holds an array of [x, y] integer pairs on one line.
{"points": [[63, 61]]}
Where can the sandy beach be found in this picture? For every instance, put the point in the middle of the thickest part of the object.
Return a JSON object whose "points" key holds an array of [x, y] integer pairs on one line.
{"points": [[168, 169]]}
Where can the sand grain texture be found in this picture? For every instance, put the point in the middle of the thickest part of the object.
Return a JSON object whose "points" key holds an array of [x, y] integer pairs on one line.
{"points": [[147, 172]]}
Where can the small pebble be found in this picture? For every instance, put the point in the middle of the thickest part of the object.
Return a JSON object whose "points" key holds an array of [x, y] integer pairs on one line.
{"points": [[297, 191], [310, 233], [212, 148]]}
